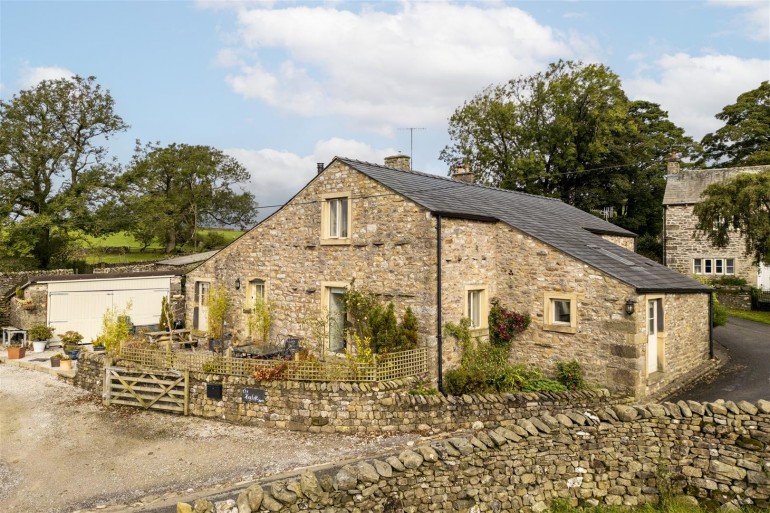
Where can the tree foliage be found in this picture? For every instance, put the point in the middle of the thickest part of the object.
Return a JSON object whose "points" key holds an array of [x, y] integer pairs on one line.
{"points": [[744, 140], [742, 206], [570, 132], [169, 192], [53, 166]]}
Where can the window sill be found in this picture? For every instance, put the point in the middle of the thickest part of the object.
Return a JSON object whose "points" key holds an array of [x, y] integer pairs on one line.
{"points": [[481, 331], [560, 328], [335, 242]]}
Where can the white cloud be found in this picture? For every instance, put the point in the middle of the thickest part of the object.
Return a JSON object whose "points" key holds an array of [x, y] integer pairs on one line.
{"points": [[753, 21], [31, 76], [694, 89], [276, 176], [410, 67]]}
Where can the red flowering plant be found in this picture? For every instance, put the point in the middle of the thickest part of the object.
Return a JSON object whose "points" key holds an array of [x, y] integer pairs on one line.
{"points": [[505, 325]]}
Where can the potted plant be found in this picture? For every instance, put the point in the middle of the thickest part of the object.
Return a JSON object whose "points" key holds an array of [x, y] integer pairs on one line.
{"points": [[16, 351], [40, 335], [56, 360], [99, 344], [70, 340], [66, 362]]}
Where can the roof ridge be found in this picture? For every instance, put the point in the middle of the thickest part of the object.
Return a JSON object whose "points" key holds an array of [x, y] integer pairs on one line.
{"points": [[452, 180]]}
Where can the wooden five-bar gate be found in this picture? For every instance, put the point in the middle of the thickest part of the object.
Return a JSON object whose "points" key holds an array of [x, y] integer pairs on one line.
{"points": [[149, 389]]}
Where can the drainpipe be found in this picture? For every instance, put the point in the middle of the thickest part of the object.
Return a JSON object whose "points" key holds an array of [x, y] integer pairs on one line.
{"points": [[711, 325], [438, 306]]}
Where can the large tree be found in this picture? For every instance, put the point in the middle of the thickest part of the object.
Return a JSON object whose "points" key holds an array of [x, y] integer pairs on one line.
{"points": [[169, 192], [745, 138], [740, 205], [570, 132], [53, 166]]}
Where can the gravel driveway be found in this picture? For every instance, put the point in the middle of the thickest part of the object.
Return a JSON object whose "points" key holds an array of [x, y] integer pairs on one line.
{"points": [[61, 450]]}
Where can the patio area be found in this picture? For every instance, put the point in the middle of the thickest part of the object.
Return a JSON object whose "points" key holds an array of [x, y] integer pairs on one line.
{"points": [[39, 361]]}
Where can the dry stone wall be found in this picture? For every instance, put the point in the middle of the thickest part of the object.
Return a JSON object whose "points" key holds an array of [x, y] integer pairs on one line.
{"points": [[718, 453], [736, 298], [9, 281]]}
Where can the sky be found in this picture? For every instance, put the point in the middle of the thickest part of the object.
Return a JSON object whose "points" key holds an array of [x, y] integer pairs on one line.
{"points": [[284, 85]]}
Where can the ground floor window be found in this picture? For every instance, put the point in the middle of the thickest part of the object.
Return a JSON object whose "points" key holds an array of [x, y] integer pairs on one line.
{"points": [[717, 266], [476, 308], [560, 312]]}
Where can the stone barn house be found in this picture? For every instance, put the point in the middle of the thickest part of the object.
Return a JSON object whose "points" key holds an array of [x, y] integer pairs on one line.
{"points": [[687, 251], [446, 247]]}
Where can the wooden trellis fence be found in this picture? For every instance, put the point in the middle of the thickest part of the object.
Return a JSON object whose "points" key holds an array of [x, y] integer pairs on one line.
{"points": [[156, 390]]}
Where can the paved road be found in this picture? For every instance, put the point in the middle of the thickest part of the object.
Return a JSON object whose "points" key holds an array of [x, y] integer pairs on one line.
{"points": [[747, 374]]}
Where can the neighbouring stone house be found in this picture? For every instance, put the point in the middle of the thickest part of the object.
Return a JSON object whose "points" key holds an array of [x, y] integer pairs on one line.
{"points": [[446, 247], [684, 248]]}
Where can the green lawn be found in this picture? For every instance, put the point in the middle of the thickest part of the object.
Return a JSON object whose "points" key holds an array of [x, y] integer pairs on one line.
{"points": [[154, 251], [753, 315]]}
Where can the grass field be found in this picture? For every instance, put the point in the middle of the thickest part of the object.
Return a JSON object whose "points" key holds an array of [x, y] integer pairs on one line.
{"points": [[753, 315], [94, 253]]}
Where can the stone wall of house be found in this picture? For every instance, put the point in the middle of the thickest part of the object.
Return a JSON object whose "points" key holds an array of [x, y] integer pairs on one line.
{"points": [[683, 244], [684, 339], [736, 298], [24, 318], [717, 453], [610, 345], [391, 252], [628, 243], [603, 343]]}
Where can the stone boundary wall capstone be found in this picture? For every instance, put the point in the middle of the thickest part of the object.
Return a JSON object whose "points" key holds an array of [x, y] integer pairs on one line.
{"points": [[717, 452], [132, 268]]}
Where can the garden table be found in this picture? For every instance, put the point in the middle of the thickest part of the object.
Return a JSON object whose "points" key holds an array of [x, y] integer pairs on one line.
{"points": [[8, 332]]}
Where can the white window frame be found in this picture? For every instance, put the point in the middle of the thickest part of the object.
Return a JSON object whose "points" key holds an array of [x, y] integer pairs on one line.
{"points": [[550, 323], [477, 293], [713, 266], [336, 228]]}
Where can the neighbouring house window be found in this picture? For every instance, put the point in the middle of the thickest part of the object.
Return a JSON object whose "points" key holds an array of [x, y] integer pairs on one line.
{"points": [[476, 308], [560, 312], [335, 220], [713, 265]]}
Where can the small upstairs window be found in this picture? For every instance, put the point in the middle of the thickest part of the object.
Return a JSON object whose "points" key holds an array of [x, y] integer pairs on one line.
{"points": [[336, 219]]}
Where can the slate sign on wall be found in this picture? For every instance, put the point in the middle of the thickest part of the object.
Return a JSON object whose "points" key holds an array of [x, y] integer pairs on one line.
{"points": [[253, 395]]}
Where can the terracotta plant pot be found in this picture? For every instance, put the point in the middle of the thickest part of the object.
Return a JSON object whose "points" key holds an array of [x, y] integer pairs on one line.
{"points": [[65, 365], [16, 352]]}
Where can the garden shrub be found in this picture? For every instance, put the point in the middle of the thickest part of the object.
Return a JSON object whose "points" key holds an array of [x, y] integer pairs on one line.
{"points": [[570, 374], [719, 312], [734, 281], [505, 325], [369, 319]]}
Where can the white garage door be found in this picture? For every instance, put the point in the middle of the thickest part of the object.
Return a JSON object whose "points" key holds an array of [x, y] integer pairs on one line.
{"points": [[80, 305]]}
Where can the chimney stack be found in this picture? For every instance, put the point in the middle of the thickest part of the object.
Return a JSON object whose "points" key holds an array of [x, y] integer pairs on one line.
{"points": [[463, 174], [319, 167], [672, 167], [402, 162]]}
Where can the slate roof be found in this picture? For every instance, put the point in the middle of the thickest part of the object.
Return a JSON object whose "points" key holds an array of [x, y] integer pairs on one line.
{"points": [[685, 187], [549, 220]]}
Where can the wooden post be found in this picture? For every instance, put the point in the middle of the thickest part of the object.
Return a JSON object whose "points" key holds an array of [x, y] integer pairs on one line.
{"points": [[186, 392], [106, 387]]}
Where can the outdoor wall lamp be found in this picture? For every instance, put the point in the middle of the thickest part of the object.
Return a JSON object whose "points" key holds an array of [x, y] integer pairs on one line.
{"points": [[237, 284], [630, 305]]}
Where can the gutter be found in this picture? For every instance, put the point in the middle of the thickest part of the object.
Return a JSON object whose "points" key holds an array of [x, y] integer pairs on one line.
{"points": [[439, 322]]}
